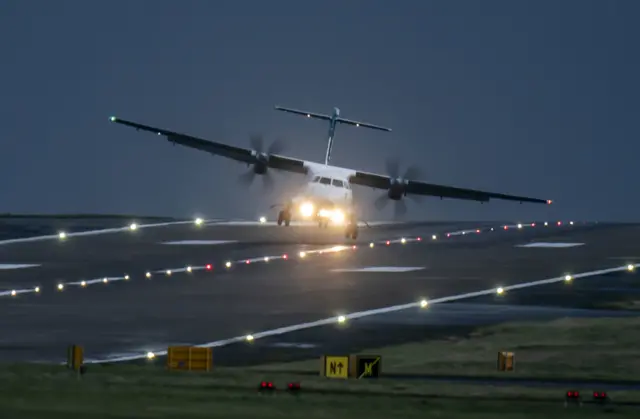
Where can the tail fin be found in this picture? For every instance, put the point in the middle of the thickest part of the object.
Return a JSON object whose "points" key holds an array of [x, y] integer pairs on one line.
{"points": [[333, 120]]}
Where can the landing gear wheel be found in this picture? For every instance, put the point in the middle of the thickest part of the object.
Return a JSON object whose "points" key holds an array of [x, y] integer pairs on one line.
{"points": [[351, 232], [284, 216]]}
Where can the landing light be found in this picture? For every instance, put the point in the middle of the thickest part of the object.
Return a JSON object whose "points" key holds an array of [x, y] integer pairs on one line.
{"points": [[546, 223], [168, 272], [126, 277], [266, 258], [189, 269], [306, 209], [371, 245], [337, 217], [302, 254]]}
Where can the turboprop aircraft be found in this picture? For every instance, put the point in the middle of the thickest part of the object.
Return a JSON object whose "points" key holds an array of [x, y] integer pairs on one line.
{"points": [[327, 196]]}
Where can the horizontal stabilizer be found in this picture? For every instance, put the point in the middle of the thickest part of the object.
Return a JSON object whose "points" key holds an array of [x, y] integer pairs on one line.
{"points": [[362, 124], [305, 113], [329, 118]]}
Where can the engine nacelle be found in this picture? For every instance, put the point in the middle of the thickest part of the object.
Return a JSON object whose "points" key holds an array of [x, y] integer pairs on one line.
{"points": [[261, 164], [397, 189]]}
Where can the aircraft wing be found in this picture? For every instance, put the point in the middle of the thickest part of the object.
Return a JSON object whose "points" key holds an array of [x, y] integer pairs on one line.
{"points": [[422, 188], [243, 155]]}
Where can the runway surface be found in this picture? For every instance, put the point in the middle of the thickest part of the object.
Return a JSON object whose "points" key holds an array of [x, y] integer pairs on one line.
{"points": [[134, 316]]}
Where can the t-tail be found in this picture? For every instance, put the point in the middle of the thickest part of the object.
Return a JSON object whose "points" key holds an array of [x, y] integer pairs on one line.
{"points": [[333, 119]]}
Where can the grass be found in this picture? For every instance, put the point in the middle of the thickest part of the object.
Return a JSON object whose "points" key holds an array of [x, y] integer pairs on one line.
{"points": [[602, 348], [565, 348]]}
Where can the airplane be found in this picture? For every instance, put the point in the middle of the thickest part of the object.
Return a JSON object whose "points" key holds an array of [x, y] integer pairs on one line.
{"points": [[328, 195]]}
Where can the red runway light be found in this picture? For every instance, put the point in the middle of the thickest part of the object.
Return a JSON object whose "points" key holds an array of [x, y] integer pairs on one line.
{"points": [[477, 231], [388, 242], [506, 227], [559, 222], [208, 267], [419, 239], [448, 234], [284, 256]]}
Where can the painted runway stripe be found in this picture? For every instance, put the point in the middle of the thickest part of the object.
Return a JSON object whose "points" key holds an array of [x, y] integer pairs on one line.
{"points": [[198, 242], [384, 310], [92, 232], [385, 269], [6, 266]]}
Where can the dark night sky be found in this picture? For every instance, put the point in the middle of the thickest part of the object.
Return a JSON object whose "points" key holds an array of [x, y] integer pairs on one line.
{"points": [[527, 97]]}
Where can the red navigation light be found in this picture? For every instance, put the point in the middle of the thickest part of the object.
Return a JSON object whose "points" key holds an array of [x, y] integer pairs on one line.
{"points": [[209, 267]]}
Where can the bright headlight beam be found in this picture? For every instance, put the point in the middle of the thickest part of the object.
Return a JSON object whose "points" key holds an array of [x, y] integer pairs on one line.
{"points": [[306, 209]]}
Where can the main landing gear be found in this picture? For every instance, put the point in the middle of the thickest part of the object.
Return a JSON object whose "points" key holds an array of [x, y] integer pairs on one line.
{"points": [[284, 216], [351, 230]]}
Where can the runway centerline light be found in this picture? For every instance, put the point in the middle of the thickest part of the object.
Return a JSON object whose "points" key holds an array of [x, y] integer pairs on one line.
{"points": [[500, 290], [133, 226], [630, 267], [62, 235], [342, 319], [567, 278], [424, 303], [263, 220]]}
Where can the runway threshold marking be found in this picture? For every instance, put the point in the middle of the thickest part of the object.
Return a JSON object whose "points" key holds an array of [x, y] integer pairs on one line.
{"points": [[390, 309]]}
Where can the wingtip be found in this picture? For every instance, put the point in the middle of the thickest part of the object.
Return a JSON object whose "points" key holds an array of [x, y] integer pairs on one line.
{"points": [[113, 118], [549, 201]]}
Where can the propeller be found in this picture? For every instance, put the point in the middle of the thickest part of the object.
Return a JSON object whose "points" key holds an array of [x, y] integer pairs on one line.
{"points": [[261, 161], [396, 190]]}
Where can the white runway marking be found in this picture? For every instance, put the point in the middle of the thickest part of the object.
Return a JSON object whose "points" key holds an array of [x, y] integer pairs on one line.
{"points": [[198, 242], [389, 269], [90, 232], [17, 266], [550, 245], [293, 223], [390, 309]]}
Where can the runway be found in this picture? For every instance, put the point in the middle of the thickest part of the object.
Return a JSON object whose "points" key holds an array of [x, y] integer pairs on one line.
{"points": [[131, 317]]}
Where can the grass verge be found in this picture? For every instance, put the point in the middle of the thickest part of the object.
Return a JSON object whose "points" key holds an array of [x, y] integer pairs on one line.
{"points": [[565, 348]]}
